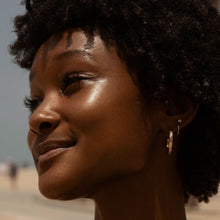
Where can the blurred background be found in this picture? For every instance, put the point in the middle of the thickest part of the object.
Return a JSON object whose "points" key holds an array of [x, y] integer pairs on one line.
{"points": [[19, 196]]}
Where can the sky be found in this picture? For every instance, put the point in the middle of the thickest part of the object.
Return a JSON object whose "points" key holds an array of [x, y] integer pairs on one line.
{"points": [[13, 87]]}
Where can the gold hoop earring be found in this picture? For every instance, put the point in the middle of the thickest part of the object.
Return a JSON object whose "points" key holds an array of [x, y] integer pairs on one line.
{"points": [[170, 143], [170, 138]]}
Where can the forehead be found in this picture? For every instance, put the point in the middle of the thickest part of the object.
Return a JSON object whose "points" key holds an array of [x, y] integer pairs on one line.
{"points": [[70, 43]]}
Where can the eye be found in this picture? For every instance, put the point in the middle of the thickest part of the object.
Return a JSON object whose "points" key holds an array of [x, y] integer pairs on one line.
{"points": [[75, 79], [31, 103]]}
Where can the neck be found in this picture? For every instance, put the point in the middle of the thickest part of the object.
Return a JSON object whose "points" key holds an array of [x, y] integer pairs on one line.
{"points": [[155, 193]]}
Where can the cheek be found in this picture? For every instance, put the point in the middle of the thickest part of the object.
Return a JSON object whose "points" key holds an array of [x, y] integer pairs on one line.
{"points": [[30, 139], [114, 133]]}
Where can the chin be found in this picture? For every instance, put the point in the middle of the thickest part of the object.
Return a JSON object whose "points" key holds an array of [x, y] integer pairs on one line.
{"points": [[58, 188], [59, 195], [57, 192]]}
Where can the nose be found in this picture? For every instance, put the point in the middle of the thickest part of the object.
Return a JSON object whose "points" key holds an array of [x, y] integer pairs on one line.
{"points": [[44, 119]]}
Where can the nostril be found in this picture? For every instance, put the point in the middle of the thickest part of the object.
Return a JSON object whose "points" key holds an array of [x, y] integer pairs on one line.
{"points": [[44, 121], [45, 125]]}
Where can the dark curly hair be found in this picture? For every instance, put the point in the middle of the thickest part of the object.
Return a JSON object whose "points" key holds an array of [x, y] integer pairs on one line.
{"points": [[168, 44]]}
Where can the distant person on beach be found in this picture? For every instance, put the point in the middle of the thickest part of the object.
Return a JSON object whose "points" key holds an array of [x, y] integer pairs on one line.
{"points": [[12, 172], [124, 102]]}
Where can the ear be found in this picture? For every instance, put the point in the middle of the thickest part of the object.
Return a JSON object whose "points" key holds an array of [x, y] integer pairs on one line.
{"points": [[179, 107]]}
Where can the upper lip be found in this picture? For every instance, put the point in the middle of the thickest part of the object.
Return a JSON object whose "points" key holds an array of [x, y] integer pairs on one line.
{"points": [[48, 145]]}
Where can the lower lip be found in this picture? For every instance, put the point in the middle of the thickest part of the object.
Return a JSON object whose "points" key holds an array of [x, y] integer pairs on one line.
{"points": [[51, 154]]}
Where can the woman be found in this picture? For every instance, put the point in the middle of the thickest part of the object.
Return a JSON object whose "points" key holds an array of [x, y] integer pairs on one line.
{"points": [[124, 102]]}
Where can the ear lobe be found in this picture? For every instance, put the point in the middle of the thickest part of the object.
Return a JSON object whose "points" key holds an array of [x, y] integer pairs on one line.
{"points": [[181, 108]]}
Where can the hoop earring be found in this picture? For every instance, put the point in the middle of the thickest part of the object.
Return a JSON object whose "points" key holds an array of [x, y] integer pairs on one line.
{"points": [[170, 138], [170, 142]]}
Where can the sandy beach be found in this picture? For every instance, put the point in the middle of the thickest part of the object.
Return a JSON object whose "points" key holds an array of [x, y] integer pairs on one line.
{"points": [[24, 202]]}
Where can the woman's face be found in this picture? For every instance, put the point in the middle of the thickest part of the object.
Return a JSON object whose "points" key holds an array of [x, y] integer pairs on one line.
{"points": [[87, 125]]}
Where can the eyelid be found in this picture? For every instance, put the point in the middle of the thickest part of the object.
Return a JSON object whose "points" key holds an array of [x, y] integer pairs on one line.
{"points": [[75, 76], [80, 73]]}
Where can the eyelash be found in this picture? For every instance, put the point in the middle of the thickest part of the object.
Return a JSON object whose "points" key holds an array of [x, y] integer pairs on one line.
{"points": [[69, 78], [31, 103]]}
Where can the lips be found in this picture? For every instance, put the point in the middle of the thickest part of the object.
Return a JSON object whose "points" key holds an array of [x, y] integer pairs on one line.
{"points": [[50, 146]]}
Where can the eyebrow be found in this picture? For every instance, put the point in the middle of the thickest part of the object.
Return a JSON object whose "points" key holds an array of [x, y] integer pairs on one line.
{"points": [[68, 53]]}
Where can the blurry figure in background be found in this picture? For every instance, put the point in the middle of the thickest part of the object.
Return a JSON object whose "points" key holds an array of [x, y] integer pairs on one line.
{"points": [[12, 173]]}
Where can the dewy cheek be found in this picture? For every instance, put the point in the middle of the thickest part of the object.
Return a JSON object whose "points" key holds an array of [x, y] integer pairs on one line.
{"points": [[96, 91]]}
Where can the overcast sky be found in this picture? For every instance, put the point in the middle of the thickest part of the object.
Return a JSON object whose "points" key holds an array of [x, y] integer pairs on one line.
{"points": [[13, 88]]}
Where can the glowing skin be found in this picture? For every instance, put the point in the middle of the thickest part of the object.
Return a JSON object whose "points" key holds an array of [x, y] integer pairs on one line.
{"points": [[91, 137], [102, 114]]}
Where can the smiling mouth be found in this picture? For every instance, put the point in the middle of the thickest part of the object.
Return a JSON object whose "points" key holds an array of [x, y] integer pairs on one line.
{"points": [[51, 148]]}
